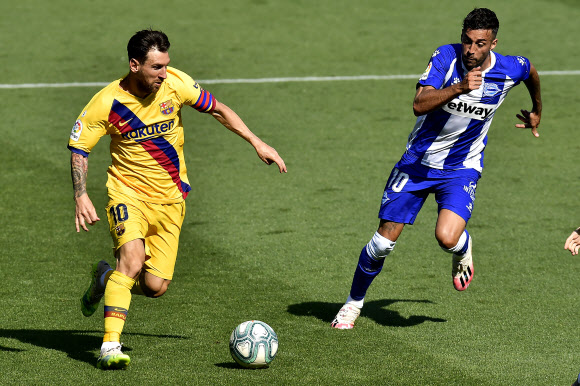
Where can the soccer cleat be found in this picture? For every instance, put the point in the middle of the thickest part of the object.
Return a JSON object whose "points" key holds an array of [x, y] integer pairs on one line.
{"points": [[113, 359], [462, 269], [345, 318], [93, 295]]}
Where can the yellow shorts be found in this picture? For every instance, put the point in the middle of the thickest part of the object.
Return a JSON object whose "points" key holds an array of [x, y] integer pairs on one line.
{"points": [[158, 224]]}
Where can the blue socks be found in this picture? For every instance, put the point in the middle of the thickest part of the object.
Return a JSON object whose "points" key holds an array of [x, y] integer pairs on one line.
{"points": [[370, 264], [366, 271]]}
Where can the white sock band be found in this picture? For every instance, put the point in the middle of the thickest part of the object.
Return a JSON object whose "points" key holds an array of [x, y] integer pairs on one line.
{"points": [[109, 345], [356, 303], [379, 247], [460, 244]]}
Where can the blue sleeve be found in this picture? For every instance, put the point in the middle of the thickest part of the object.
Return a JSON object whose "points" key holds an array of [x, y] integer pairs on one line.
{"points": [[521, 68], [438, 67]]}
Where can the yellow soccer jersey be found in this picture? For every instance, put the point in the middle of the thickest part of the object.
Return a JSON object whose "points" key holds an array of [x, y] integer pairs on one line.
{"points": [[146, 136]]}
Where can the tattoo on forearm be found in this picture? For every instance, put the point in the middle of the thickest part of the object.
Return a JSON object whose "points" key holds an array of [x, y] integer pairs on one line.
{"points": [[78, 167]]}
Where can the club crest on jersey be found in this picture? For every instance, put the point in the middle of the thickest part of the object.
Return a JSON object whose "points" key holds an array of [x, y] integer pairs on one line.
{"points": [[166, 107], [120, 229], [490, 89]]}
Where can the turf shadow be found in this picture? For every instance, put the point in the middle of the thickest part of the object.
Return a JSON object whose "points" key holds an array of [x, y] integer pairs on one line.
{"points": [[234, 366], [80, 345], [376, 310]]}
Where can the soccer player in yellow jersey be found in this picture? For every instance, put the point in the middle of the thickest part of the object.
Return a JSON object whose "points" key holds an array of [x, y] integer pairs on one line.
{"points": [[147, 181]]}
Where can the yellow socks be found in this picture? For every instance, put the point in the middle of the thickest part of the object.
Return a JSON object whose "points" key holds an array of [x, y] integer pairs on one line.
{"points": [[117, 300], [137, 289]]}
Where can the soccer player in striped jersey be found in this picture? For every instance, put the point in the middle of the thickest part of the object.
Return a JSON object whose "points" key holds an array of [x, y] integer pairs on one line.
{"points": [[455, 101], [147, 180]]}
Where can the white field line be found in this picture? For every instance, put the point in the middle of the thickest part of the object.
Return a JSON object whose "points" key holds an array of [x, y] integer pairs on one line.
{"points": [[260, 80]]}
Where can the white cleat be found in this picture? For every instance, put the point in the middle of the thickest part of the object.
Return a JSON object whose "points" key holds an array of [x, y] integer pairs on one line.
{"points": [[462, 269], [113, 359], [346, 317]]}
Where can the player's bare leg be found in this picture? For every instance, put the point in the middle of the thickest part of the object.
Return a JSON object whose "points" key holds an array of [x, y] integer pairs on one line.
{"points": [[370, 263], [130, 259], [150, 285], [390, 230], [453, 238], [129, 278]]}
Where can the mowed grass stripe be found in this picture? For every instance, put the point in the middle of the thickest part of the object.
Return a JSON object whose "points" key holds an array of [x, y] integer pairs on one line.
{"points": [[261, 80]]}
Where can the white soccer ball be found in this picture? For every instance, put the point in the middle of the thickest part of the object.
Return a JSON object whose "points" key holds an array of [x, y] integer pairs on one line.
{"points": [[253, 344]]}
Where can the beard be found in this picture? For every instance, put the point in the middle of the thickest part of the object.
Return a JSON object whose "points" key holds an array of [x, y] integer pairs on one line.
{"points": [[148, 88], [471, 63]]}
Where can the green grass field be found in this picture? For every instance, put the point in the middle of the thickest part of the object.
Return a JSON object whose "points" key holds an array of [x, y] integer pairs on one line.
{"points": [[283, 248]]}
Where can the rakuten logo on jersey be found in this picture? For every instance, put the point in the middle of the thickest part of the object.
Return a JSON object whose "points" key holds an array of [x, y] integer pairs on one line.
{"points": [[477, 111], [147, 132]]}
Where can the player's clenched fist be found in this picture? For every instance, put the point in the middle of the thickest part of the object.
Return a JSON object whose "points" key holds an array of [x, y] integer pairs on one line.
{"points": [[472, 80]]}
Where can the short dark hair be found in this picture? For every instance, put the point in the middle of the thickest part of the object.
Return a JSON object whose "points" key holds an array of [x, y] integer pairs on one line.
{"points": [[144, 41], [481, 18]]}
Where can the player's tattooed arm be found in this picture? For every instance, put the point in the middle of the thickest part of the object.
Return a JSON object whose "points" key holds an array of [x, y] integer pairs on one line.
{"points": [[85, 212], [79, 166]]}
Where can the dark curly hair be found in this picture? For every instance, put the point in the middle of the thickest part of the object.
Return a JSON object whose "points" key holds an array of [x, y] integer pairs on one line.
{"points": [[481, 18], [144, 41]]}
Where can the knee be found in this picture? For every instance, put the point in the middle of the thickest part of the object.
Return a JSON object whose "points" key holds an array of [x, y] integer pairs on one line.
{"points": [[130, 258], [156, 289], [446, 239], [132, 269]]}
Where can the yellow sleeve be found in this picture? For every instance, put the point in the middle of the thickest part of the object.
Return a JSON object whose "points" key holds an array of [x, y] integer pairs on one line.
{"points": [[89, 127], [191, 92]]}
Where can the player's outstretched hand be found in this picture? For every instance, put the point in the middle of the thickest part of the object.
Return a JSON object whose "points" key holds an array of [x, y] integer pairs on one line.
{"points": [[268, 154], [530, 120], [85, 213], [573, 242]]}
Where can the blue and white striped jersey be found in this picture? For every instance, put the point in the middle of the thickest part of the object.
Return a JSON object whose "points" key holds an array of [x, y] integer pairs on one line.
{"points": [[454, 136]]}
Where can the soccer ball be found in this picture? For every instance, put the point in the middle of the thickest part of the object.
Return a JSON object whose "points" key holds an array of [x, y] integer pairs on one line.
{"points": [[253, 344]]}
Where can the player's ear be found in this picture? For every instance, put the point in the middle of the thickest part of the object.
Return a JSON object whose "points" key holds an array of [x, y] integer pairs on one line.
{"points": [[493, 43], [134, 65]]}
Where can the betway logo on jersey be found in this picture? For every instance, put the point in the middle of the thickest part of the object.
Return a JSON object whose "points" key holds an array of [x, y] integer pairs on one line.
{"points": [[148, 132], [474, 110]]}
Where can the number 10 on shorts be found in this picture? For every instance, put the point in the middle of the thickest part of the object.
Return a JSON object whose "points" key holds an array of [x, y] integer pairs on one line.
{"points": [[397, 181], [119, 213]]}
